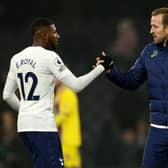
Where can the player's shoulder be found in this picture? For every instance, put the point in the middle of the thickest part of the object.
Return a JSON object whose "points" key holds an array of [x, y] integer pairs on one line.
{"points": [[20, 53], [150, 47], [17, 55], [147, 49], [50, 53], [37, 50]]}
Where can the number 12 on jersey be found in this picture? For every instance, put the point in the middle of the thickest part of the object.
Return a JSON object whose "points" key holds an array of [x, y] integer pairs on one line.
{"points": [[25, 79]]}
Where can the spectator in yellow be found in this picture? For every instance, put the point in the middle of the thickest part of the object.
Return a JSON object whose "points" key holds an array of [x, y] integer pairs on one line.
{"points": [[68, 123]]}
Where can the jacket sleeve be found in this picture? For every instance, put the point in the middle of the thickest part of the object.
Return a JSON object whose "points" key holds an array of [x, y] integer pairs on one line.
{"points": [[133, 78]]}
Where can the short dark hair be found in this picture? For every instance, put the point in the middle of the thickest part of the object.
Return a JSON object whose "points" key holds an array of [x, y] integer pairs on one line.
{"points": [[161, 11], [40, 23]]}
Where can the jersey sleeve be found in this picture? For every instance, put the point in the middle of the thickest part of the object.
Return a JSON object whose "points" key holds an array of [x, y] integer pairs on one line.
{"points": [[69, 79], [10, 87]]}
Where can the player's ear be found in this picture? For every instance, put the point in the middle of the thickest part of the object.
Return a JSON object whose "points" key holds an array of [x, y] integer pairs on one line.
{"points": [[44, 36]]}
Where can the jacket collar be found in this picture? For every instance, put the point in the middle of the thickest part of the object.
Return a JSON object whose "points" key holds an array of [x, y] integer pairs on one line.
{"points": [[160, 45]]}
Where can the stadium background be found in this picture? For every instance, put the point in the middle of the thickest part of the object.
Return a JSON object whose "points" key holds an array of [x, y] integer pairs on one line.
{"points": [[114, 121]]}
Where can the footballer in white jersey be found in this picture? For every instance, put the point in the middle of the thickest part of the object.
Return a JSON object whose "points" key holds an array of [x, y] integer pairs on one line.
{"points": [[34, 71]]}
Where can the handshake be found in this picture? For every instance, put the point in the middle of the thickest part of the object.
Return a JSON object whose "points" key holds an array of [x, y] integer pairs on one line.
{"points": [[105, 60]]}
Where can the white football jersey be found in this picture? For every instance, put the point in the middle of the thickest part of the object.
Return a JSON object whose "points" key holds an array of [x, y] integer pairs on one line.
{"points": [[35, 69]]}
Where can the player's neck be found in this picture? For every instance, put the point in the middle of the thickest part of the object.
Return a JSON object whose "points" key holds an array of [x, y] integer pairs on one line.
{"points": [[39, 43]]}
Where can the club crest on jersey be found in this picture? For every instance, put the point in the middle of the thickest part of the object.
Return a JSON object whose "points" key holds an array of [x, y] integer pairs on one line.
{"points": [[59, 65], [154, 53]]}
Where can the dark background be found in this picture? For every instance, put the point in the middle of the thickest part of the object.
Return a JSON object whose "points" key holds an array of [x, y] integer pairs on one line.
{"points": [[114, 121]]}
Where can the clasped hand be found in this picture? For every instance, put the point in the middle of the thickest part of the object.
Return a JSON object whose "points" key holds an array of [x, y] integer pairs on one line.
{"points": [[105, 60]]}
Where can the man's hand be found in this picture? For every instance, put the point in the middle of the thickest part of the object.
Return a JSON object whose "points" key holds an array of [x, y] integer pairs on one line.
{"points": [[105, 60]]}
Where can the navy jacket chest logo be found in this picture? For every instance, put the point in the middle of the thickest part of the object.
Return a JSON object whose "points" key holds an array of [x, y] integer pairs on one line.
{"points": [[154, 53]]}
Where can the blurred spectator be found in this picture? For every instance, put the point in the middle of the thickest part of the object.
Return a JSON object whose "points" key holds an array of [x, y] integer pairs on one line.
{"points": [[127, 38], [68, 124], [128, 149], [124, 48], [126, 43]]}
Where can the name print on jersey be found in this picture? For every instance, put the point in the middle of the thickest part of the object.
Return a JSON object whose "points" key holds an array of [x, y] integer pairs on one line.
{"points": [[25, 61]]}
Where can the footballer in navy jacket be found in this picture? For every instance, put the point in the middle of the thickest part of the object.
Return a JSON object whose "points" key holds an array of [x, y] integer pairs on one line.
{"points": [[152, 66]]}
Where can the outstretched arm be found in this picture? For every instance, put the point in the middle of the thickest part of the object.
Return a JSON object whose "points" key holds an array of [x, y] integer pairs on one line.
{"points": [[128, 80], [77, 84]]}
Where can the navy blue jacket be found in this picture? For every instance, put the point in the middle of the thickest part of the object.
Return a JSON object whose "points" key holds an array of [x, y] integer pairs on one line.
{"points": [[152, 65]]}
